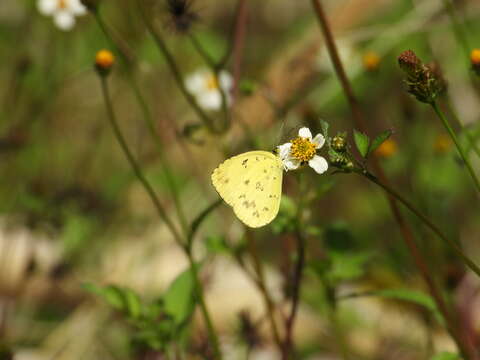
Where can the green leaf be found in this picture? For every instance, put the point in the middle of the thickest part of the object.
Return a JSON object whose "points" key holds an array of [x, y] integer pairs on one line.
{"points": [[446, 356], [216, 245], [179, 300], [122, 299], [362, 142], [347, 266], [413, 296], [111, 294], [132, 302], [379, 140]]}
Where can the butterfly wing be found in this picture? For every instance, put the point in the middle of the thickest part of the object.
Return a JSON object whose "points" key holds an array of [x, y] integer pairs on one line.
{"points": [[251, 183]]}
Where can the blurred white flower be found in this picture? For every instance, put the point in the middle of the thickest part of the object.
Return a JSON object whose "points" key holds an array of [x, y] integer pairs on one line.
{"points": [[348, 55], [303, 150], [205, 86], [62, 11]]}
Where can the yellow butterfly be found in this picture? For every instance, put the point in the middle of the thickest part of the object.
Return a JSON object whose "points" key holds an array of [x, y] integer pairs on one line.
{"points": [[251, 183]]}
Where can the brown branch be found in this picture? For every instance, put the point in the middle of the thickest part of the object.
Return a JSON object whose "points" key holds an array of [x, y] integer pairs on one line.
{"points": [[404, 228]]}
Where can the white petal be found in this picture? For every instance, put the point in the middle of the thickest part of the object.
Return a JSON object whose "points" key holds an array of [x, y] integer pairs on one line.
{"points": [[318, 140], [226, 81], [210, 100], [195, 83], [64, 20], [319, 164], [77, 7], [291, 163], [47, 7], [284, 150], [305, 132]]}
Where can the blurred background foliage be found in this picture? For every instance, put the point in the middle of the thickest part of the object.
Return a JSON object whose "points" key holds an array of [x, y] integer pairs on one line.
{"points": [[88, 270]]}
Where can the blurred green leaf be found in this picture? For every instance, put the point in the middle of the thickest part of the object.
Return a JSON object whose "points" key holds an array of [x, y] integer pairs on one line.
{"points": [[362, 142], [379, 140], [111, 294], [179, 299], [122, 299], [76, 232], [132, 302], [413, 296], [216, 245], [347, 266], [446, 356]]}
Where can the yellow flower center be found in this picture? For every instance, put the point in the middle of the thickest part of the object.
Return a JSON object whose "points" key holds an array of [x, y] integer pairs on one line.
{"points": [[211, 82], [303, 149], [62, 4]]}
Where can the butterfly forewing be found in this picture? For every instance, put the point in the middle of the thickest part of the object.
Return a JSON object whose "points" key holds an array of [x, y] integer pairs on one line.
{"points": [[252, 184]]}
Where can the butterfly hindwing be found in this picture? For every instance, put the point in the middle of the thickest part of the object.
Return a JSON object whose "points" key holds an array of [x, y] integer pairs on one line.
{"points": [[251, 183]]}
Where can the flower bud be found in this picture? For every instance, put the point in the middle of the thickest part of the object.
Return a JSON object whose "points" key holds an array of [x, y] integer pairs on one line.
{"points": [[422, 81], [387, 149], [104, 61], [475, 61], [408, 61], [371, 61], [339, 143]]}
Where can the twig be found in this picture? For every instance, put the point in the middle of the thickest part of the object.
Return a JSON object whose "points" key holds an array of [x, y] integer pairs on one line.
{"points": [[163, 215], [360, 123]]}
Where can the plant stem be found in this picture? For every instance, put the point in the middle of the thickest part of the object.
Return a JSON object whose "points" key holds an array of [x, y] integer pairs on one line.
{"points": [[425, 221], [457, 144], [297, 282], [471, 138], [452, 327], [147, 116], [163, 215], [288, 349], [360, 123], [203, 306], [261, 284], [208, 122], [332, 308]]}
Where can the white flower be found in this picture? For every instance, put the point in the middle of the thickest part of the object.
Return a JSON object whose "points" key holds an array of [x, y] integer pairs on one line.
{"points": [[302, 150], [62, 11], [347, 53], [205, 87]]}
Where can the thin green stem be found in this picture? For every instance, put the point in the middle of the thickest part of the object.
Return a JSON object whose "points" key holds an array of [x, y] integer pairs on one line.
{"points": [[261, 284], [425, 220], [203, 306], [208, 122], [332, 308], [163, 215], [203, 53], [457, 144], [471, 138], [133, 163], [452, 325], [288, 345], [147, 116]]}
